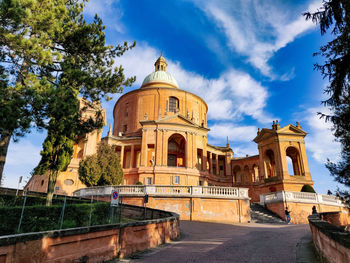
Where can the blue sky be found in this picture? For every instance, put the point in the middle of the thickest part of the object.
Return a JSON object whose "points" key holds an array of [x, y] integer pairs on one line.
{"points": [[251, 61]]}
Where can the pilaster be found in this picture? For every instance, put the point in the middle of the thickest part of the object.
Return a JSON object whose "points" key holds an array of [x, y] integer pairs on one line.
{"points": [[144, 148], [122, 156], [132, 156]]}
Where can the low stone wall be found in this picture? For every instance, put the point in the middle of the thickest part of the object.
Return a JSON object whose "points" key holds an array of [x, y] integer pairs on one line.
{"points": [[339, 219], [94, 243], [199, 209], [300, 204], [209, 204], [300, 211], [332, 242]]}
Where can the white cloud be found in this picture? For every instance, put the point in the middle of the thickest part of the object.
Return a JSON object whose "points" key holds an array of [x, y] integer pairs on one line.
{"points": [[320, 140], [235, 133], [242, 149], [107, 11], [258, 30], [233, 95]]}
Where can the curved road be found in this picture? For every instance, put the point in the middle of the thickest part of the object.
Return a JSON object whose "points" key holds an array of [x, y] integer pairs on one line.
{"points": [[210, 242]]}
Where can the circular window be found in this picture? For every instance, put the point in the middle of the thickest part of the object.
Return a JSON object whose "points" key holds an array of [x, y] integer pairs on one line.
{"points": [[68, 182]]}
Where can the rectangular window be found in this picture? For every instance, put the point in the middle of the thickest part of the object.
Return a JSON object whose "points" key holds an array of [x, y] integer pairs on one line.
{"points": [[177, 179], [173, 104], [127, 110], [149, 180], [125, 128], [199, 159]]}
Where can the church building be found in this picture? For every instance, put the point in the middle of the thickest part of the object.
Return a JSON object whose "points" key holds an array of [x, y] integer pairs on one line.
{"points": [[160, 133]]}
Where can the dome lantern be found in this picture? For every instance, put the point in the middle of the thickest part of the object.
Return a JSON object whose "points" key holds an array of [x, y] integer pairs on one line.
{"points": [[160, 77], [160, 64]]}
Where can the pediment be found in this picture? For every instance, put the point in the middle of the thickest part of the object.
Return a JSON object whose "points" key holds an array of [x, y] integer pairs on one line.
{"points": [[177, 119], [264, 134], [286, 130], [291, 129]]}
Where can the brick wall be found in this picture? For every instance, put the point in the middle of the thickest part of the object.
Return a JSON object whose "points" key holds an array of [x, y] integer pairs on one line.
{"points": [[92, 244], [332, 243]]}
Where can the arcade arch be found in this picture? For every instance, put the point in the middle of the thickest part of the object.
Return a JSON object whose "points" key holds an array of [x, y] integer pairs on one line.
{"points": [[237, 174], [176, 150], [246, 177], [255, 173], [269, 163], [293, 158]]}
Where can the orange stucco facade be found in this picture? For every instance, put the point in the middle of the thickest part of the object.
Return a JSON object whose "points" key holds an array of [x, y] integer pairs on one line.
{"points": [[160, 133]]}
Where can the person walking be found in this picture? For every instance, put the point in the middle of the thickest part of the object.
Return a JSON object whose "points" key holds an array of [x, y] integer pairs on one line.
{"points": [[287, 213]]}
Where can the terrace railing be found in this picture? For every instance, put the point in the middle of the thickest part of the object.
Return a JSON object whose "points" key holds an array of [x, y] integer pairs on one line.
{"points": [[300, 197], [165, 190]]}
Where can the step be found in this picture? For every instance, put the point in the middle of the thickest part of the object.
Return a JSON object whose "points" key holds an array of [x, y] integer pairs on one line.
{"points": [[260, 214]]}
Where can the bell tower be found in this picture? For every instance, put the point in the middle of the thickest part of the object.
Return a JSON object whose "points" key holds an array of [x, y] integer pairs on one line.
{"points": [[282, 157]]}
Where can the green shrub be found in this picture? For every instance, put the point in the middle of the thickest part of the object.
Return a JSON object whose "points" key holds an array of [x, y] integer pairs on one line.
{"points": [[43, 218], [11, 200], [308, 188]]}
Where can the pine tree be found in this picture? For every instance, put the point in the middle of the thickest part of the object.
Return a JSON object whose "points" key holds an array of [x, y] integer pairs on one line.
{"points": [[334, 16], [49, 57], [86, 69], [26, 48]]}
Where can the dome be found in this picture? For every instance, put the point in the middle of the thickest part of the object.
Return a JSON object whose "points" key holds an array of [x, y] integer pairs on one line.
{"points": [[160, 77]]}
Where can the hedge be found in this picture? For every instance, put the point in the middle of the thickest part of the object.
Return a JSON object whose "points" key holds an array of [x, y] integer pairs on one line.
{"points": [[42, 218], [308, 189], [11, 200]]}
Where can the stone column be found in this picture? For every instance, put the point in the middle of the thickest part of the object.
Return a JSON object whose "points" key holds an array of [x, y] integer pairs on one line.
{"points": [[262, 170], [304, 168], [204, 155], [217, 164], [165, 148], [281, 162], [188, 150], [132, 156], [210, 163], [159, 147], [122, 156], [228, 164], [194, 151], [144, 148]]}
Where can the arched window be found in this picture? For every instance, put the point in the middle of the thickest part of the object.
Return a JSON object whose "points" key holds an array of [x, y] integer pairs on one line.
{"points": [[294, 161], [246, 178], [237, 174], [255, 173], [176, 150], [173, 104]]}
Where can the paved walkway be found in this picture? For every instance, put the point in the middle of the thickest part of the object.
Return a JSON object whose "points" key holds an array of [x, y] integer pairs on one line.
{"points": [[210, 242]]}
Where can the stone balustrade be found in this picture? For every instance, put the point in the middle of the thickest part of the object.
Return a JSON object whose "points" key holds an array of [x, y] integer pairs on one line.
{"points": [[164, 190], [300, 197]]}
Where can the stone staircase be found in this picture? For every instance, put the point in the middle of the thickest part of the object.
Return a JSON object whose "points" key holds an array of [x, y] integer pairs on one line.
{"points": [[259, 214]]}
